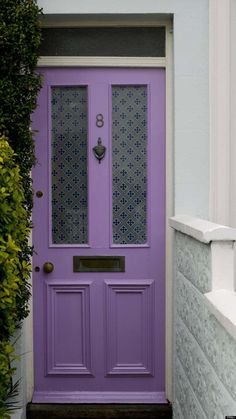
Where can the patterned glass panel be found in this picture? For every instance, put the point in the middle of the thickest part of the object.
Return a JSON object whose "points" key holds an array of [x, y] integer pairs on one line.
{"points": [[129, 161], [69, 165]]}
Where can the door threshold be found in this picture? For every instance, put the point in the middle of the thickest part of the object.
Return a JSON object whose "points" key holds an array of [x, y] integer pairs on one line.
{"points": [[99, 411], [103, 397]]}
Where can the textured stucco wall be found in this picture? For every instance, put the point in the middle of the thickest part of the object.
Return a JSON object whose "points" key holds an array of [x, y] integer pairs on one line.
{"points": [[205, 354]]}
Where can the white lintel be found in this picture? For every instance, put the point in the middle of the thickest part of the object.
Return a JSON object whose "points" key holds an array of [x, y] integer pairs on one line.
{"points": [[67, 61], [202, 230]]}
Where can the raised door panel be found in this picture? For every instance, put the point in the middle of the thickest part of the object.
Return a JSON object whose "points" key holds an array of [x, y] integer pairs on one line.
{"points": [[129, 327], [68, 329]]}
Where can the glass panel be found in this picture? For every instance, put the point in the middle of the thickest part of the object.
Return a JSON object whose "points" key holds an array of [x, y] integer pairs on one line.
{"points": [[129, 162], [69, 165]]}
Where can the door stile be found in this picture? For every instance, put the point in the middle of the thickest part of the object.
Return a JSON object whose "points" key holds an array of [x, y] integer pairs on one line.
{"points": [[40, 229], [157, 171], [49, 163], [98, 213]]}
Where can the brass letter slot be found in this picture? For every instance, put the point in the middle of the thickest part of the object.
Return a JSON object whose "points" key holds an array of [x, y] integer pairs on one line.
{"points": [[98, 264]]}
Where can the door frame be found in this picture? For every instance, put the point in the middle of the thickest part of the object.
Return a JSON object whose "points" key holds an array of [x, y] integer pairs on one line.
{"points": [[164, 62]]}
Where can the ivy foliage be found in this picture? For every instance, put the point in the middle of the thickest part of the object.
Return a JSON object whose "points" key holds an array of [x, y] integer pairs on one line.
{"points": [[19, 86]]}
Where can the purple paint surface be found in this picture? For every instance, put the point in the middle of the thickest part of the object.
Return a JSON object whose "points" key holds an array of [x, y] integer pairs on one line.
{"points": [[100, 333]]}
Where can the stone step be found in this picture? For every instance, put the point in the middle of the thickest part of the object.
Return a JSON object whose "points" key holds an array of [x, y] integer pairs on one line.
{"points": [[99, 411]]}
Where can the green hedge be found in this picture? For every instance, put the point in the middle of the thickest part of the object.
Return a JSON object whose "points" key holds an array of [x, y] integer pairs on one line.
{"points": [[14, 270], [19, 85]]}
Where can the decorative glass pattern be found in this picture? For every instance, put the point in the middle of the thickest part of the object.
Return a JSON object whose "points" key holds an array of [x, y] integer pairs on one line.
{"points": [[129, 163], [69, 165]]}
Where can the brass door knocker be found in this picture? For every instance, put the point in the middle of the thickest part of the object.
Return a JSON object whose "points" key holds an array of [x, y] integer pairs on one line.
{"points": [[99, 150]]}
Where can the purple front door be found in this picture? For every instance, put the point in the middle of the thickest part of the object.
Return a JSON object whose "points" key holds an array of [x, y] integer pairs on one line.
{"points": [[99, 220]]}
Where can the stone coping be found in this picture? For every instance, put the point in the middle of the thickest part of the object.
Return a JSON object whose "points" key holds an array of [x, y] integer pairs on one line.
{"points": [[222, 303], [202, 230]]}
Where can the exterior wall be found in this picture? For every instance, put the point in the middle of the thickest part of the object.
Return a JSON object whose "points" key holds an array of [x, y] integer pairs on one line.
{"points": [[222, 95], [233, 116], [204, 381], [190, 89], [205, 354]]}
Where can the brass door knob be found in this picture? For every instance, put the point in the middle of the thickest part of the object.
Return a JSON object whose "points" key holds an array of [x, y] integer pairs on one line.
{"points": [[48, 267]]}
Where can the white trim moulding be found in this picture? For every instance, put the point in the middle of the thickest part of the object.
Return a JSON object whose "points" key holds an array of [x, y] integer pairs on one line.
{"points": [[202, 230], [66, 61], [105, 20], [169, 210]]}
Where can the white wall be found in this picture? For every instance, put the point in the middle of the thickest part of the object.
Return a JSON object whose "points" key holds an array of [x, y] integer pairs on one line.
{"points": [[191, 117], [233, 117]]}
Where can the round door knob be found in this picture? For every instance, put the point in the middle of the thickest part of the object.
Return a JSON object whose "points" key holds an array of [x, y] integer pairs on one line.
{"points": [[48, 267]]}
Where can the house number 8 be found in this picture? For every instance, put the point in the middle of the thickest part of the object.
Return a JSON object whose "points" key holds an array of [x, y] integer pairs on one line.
{"points": [[99, 120]]}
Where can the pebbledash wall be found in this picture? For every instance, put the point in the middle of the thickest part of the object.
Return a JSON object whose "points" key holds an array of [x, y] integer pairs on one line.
{"points": [[205, 352]]}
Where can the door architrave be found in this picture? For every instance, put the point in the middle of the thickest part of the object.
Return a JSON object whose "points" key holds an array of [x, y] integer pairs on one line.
{"points": [[167, 63]]}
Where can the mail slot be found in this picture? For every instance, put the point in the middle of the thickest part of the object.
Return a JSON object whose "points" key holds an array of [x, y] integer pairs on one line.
{"points": [[98, 264]]}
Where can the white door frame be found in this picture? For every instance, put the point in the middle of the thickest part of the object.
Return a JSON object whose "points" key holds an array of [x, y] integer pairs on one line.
{"points": [[127, 62]]}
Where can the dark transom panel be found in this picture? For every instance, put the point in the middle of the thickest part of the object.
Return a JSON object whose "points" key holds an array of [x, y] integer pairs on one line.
{"points": [[122, 42]]}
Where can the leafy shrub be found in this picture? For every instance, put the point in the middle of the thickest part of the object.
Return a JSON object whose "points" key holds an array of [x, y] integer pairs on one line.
{"points": [[14, 269], [19, 85], [14, 231], [20, 38], [6, 357]]}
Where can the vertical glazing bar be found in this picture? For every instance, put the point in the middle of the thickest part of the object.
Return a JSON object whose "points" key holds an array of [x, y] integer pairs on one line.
{"points": [[98, 173]]}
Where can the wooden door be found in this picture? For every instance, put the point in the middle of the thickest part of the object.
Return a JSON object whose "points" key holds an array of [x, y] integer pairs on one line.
{"points": [[99, 222]]}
